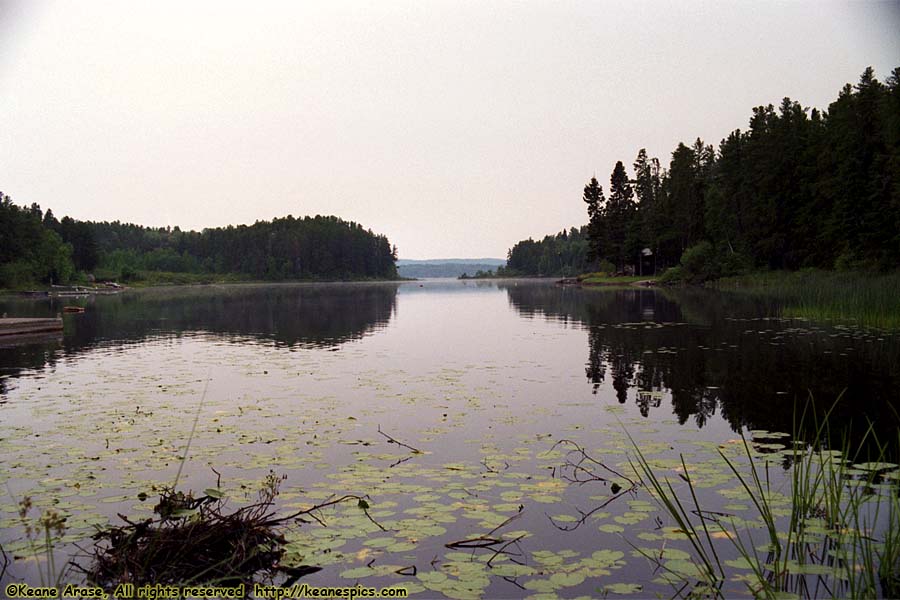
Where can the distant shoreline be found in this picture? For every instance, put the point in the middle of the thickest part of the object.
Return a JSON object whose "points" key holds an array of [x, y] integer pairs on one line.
{"points": [[46, 291]]}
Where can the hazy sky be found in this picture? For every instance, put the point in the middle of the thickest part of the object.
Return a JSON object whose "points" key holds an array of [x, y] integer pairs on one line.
{"points": [[454, 128]]}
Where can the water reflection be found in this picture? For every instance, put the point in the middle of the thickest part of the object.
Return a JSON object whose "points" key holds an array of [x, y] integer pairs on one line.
{"points": [[724, 353], [295, 316], [697, 354]]}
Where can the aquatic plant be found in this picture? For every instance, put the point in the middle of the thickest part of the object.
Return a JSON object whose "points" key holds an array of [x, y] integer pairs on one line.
{"points": [[866, 298], [840, 527], [194, 540], [41, 535]]}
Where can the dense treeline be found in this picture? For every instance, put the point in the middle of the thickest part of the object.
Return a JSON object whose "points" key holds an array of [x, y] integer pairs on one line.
{"points": [[799, 188], [28, 250], [565, 253], [35, 247]]}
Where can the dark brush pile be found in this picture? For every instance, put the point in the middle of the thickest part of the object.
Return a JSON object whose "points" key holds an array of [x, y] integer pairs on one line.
{"points": [[193, 541]]}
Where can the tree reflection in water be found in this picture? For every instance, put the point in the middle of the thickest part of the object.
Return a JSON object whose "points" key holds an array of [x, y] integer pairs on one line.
{"points": [[289, 315], [715, 352]]}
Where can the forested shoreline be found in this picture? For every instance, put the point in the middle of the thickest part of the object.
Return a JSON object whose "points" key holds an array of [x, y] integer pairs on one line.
{"points": [[37, 248], [800, 188]]}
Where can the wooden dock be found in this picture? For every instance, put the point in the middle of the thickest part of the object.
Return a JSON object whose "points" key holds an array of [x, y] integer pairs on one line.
{"points": [[14, 326]]}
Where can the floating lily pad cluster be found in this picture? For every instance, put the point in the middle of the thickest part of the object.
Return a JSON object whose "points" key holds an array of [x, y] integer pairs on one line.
{"points": [[102, 433]]}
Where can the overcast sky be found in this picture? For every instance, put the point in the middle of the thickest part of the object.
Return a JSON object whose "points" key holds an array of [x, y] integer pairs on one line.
{"points": [[454, 128]]}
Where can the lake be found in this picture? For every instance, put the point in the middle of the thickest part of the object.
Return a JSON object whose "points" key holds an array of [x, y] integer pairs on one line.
{"points": [[524, 400]]}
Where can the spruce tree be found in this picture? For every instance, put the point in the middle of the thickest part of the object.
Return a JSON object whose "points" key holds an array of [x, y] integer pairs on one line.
{"points": [[620, 216], [593, 197]]}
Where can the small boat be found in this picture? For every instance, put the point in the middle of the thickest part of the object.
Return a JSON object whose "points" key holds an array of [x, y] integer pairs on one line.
{"points": [[73, 309]]}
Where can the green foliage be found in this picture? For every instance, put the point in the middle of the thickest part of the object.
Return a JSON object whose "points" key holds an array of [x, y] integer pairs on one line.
{"points": [[618, 219], [42, 534], [593, 197], [29, 252], [700, 263], [835, 511], [703, 262], [850, 260], [37, 248], [564, 254], [17, 274], [480, 274], [671, 276], [869, 299], [733, 263], [128, 274], [288, 248], [79, 235], [799, 188], [603, 279], [605, 267]]}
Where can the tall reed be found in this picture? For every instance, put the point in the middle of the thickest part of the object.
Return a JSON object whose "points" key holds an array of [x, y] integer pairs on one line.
{"points": [[869, 299], [841, 538]]}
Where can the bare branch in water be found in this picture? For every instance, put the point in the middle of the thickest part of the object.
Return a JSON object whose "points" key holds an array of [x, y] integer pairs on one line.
{"points": [[393, 440]]}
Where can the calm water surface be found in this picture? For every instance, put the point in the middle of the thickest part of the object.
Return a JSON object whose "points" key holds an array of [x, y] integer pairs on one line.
{"points": [[495, 382]]}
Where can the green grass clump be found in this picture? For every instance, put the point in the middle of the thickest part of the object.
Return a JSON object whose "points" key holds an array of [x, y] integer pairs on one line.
{"points": [[840, 537], [154, 278], [600, 279], [42, 534], [865, 298]]}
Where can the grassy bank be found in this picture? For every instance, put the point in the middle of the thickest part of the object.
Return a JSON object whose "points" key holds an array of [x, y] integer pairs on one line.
{"points": [[603, 279], [172, 278], [155, 278], [865, 298], [161, 278]]}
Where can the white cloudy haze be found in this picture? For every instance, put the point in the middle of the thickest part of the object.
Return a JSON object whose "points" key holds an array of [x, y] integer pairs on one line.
{"points": [[454, 128]]}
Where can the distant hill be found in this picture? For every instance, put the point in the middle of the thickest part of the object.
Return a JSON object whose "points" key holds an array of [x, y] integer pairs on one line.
{"points": [[446, 267]]}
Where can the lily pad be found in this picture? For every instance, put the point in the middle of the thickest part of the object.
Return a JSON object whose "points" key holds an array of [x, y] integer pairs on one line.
{"points": [[623, 588]]}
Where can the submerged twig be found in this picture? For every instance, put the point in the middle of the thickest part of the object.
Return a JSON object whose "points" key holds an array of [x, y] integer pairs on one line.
{"points": [[578, 466], [310, 512], [583, 470], [489, 542], [502, 549], [484, 541], [218, 477], [586, 515], [393, 440], [400, 460], [490, 469]]}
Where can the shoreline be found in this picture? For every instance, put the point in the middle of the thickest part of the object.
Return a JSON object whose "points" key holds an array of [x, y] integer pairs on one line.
{"points": [[41, 292]]}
